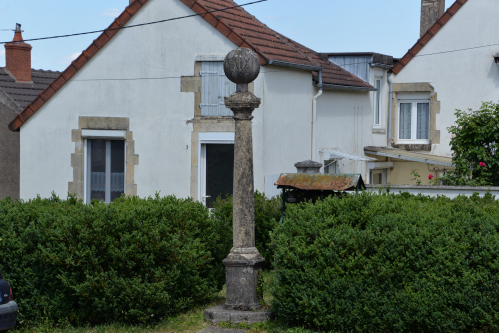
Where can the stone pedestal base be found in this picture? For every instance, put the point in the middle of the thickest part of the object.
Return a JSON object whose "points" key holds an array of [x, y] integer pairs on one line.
{"points": [[241, 278], [219, 314]]}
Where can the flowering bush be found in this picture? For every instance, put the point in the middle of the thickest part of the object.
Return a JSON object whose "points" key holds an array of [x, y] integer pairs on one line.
{"points": [[474, 142]]}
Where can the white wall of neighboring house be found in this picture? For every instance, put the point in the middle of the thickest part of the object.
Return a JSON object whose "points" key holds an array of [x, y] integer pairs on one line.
{"points": [[159, 113], [458, 63], [344, 121]]}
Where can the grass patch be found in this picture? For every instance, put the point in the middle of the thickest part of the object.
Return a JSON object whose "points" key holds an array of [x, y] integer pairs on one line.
{"points": [[188, 322]]}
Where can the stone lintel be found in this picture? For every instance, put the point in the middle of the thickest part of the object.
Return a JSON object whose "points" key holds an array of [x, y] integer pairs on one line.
{"points": [[103, 123]]}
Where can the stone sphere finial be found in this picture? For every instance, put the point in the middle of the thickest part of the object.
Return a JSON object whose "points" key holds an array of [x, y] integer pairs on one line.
{"points": [[242, 66]]}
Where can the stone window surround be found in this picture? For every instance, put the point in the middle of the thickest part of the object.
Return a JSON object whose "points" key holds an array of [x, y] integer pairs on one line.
{"points": [[77, 186], [421, 87], [203, 124]]}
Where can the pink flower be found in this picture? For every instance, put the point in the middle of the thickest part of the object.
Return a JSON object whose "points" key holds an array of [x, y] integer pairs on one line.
{"points": [[430, 177], [482, 164], [460, 127], [453, 136]]}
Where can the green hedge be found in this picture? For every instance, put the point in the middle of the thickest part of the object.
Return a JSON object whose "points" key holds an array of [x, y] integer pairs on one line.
{"points": [[132, 261], [267, 216], [389, 263]]}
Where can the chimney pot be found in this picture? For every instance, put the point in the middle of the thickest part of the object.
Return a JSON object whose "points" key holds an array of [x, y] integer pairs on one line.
{"points": [[431, 11], [18, 57]]}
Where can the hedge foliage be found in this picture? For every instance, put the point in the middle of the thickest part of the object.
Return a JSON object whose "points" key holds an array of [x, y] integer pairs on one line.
{"points": [[267, 216], [132, 261], [389, 263]]}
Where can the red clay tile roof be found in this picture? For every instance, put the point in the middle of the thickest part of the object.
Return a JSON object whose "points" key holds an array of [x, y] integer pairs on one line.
{"points": [[236, 24], [428, 36], [25, 93]]}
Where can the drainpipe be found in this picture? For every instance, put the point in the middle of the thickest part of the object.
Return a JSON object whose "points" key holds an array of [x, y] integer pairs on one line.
{"points": [[314, 113], [390, 108]]}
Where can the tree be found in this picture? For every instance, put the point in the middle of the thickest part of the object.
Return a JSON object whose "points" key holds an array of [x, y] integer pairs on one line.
{"points": [[474, 142]]}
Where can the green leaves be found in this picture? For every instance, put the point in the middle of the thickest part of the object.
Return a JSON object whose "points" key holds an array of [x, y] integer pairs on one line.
{"points": [[389, 263], [267, 216], [132, 261], [475, 139]]}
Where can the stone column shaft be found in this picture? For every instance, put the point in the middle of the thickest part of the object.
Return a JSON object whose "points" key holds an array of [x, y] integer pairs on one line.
{"points": [[243, 196]]}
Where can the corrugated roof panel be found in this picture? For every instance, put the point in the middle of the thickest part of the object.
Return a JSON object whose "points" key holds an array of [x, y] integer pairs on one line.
{"points": [[317, 181], [411, 156]]}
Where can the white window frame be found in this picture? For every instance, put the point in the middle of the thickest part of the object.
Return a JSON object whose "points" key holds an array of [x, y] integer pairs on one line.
{"points": [[413, 99], [107, 135], [382, 172], [378, 102], [209, 138]]}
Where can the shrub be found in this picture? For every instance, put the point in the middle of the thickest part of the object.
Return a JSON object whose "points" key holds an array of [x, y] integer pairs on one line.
{"points": [[132, 261], [267, 216], [474, 142], [389, 263]]}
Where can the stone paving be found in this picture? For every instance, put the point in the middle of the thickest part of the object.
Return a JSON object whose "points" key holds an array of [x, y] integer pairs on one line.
{"points": [[214, 329]]}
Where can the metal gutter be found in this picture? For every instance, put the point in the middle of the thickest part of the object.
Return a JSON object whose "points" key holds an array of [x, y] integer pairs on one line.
{"points": [[340, 87], [375, 64], [314, 115], [293, 65]]}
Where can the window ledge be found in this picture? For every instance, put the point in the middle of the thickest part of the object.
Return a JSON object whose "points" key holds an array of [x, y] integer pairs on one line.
{"points": [[379, 130], [414, 146]]}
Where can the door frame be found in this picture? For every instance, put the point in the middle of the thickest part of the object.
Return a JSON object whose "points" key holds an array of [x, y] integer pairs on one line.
{"points": [[209, 138]]}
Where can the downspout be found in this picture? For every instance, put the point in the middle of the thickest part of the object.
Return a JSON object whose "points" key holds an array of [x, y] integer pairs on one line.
{"points": [[314, 114], [390, 108]]}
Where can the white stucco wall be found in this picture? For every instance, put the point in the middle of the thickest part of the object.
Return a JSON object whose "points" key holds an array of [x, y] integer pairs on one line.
{"points": [[344, 121], [159, 112], [462, 78]]}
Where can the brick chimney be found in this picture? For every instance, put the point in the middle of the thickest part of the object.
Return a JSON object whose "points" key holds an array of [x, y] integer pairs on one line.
{"points": [[18, 57], [431, 10]]}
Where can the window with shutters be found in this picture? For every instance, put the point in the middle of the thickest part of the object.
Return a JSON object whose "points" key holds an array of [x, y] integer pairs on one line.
{"points": [[214, 87]]}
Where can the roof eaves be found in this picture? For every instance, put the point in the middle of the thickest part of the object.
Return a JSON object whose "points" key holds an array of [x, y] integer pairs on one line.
{"points": [[451, 11], [342, 87], [77, 64]]}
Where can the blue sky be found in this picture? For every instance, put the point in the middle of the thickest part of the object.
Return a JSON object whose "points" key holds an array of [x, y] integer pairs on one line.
{"points": [[385, 26]]}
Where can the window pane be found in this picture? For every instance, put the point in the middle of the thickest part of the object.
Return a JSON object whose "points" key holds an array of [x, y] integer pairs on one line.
{"points": [[405, 121], [377, 102], [117, 169], [98, 170], [219, 171], [423, 128]]}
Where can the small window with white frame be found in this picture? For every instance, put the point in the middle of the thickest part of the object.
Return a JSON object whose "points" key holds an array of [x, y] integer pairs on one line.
{"points": [[378, 176], [105, 164], [377, 102], [330, 166], [414, 118]]}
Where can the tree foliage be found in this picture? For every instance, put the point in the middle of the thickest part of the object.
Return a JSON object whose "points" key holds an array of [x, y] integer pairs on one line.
{"points": [[474, 142]]}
